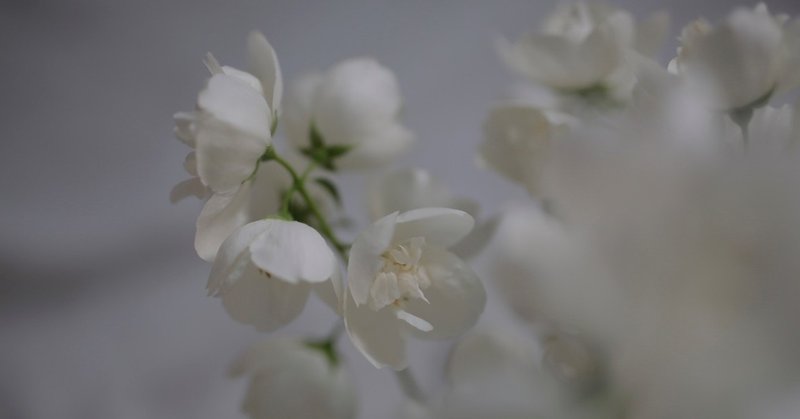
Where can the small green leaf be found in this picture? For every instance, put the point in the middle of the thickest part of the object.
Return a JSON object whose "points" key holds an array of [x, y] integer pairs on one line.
{"points": [[315, 137], [330, 187], [335, 151]]}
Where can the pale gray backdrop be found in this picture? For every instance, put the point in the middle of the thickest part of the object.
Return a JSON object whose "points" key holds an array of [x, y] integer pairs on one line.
{"points": [[103, 311]]}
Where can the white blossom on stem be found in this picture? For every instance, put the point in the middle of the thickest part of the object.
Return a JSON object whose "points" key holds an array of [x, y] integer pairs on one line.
{"points": [[265, 270], [583, 46], [291, 380], [402, 280], [749, 56], [354, 104]]}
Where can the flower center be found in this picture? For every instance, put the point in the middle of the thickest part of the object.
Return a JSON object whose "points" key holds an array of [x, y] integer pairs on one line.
{"points": [[401, 277]]}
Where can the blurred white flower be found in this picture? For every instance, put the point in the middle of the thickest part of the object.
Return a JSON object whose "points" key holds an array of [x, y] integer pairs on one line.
{"points": [[291, 380], [401, 280], [517, 140], [749, 56], [354, 104], [264, 271], [584, 46], [406, 189], [495, 373]]}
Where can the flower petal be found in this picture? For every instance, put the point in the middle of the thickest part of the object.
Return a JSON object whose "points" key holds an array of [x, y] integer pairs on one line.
{"points": [[263, 63], [331, 292], [405, 190], [456, 295], [266, 303], [439, 226], [220, 216], [355, 96], [293, 252], [365, 261], [236, 103], [189, 187], [233, 257], [377, 334], [225, 156], [378, 147]]}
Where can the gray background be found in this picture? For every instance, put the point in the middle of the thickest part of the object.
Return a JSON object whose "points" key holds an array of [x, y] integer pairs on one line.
{"points": [[103, 311]]}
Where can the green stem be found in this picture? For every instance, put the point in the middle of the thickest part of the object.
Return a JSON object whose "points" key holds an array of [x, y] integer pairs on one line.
{"points": [[298, 184], [409, 385]]}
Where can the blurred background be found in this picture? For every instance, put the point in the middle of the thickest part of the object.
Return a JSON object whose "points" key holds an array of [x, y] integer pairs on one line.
{"points": [[103, 310]]}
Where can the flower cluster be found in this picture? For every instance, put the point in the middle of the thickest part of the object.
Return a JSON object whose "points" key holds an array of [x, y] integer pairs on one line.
{"points": [[268, 226], [654, 274]]}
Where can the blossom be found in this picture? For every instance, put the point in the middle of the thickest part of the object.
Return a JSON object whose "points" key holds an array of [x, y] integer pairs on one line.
{"points": [[517, 140], [749, 56], [289, 379], [265, 270], [355, 104], [401, 280], [229, 132], [407, 189], [583, 46]]}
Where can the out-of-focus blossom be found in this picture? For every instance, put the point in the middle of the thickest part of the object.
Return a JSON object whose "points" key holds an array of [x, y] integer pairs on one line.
{"points": [[676, 261], [355, 104], [265, 270], [291, 380], [402, 280], [583, 47], [496, 374], [749, 56], [517, 140]]}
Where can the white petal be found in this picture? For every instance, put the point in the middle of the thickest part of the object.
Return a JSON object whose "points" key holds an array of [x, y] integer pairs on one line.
{"points": [[404, 190], [184, 127], [220, 216], [377, 334], [365, 261], [302, 385], [332, 292], [245, 77], [378, 147], [189, 187], [266, 303], [355, 96], [263, 63], [439, 226], [456, 296], [561, 63], [233, 256], [476, 240], [297, 113], [235, 102], [225, 156], [293, 252], [517, 140]]}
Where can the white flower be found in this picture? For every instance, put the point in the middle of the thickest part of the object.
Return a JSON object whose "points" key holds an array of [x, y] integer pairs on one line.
{"points": [[407, 189], [495, 374], [289, 379], [583, 45], [264, 271], [229, 132], [517, 140], [749, 56], [356, 103], [401, 280]]}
